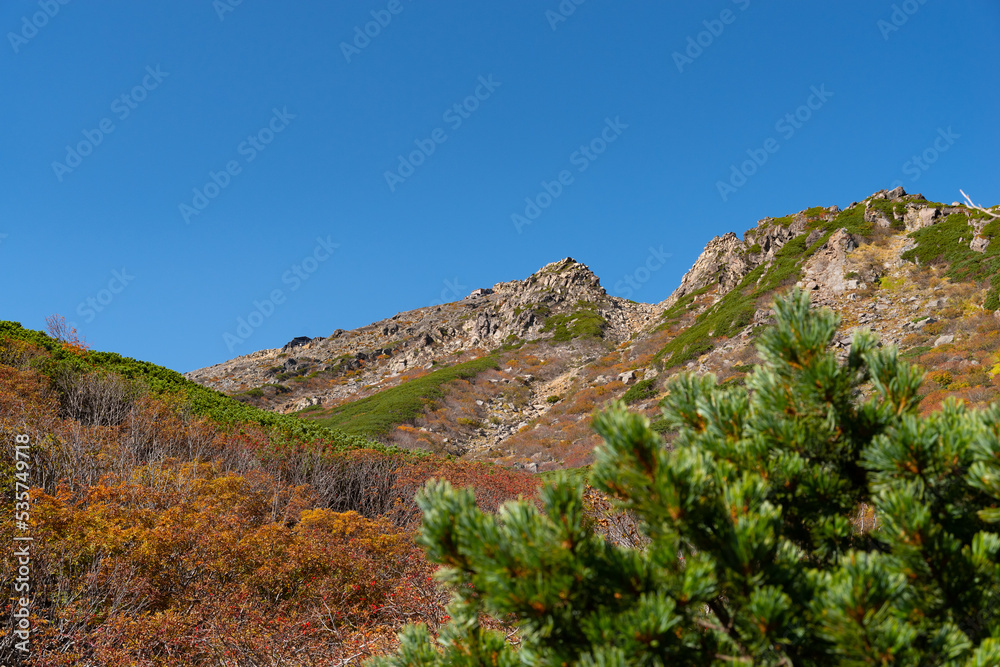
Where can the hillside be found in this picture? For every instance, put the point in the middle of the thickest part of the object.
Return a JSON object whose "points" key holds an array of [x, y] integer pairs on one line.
{"points": [[166, 523], [512, 374]]}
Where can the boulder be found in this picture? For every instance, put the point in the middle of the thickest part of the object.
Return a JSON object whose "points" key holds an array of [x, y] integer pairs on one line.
{"points": [[298, 341], [628, 377], [306, 402], [918, 218], [944, 340]]}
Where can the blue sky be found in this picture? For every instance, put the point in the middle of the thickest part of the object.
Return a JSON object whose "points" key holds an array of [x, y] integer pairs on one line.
{"points": [[245, 170]]}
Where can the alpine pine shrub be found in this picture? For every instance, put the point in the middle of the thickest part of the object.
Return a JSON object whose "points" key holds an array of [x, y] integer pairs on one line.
{"points": [[753, 558]]}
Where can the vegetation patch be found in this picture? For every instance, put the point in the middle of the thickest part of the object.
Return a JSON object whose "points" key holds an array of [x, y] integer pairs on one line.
{"points": [[163, 382], [893, 211], [584, 322], [640, 391], [947, 243], [378, 414]]}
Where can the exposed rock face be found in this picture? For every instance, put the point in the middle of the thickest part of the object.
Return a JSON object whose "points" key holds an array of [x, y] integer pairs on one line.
{"points": [[825, 270], [920, 217], [726, 259], [723, 262], [877, 216], [298, 341]]}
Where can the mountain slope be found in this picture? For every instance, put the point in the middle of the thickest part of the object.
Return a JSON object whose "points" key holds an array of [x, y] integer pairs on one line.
{"points": [[526, 363]]}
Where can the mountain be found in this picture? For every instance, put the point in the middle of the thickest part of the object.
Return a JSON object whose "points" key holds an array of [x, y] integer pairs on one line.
{"points": [[512, 374]]}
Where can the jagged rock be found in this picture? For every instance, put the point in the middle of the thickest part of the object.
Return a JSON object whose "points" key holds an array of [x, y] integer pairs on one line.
{"points": [[876, 216], [480, 292], [723, 262], [944, 340], [628, 377], [825, 269], [298, 341], [306, 402], [919, 217]]}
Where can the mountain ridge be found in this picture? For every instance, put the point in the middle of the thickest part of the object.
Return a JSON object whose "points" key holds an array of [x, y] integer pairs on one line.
{"points": [[563, 347]]}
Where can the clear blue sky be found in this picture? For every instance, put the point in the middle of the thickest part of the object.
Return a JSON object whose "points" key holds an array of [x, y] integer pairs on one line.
{"points": [[199, 80]]}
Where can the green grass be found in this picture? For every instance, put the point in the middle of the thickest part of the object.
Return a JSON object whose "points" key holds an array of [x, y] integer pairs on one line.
{"points": [[201, 400], [379, 414], [682, 306], [914, 352], [585, 322], [948, 242], [640, 391]]}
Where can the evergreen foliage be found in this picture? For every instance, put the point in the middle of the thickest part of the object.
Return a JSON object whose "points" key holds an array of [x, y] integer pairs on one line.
{"points": [[753, 557]]}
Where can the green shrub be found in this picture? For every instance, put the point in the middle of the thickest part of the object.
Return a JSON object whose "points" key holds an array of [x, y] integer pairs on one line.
{"points": [[947, 243], [585, 322], [640, 391]]}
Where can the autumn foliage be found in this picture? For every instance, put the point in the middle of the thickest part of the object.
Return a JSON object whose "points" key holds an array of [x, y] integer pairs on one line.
{"points": [[164, 538]]}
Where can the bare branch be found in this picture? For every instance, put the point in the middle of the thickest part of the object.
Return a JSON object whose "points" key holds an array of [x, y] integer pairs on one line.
{"points": [[979, 208]]}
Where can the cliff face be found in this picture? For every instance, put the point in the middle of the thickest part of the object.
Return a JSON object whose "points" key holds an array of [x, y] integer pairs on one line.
{"points": [[727, 260], [924, 276]]}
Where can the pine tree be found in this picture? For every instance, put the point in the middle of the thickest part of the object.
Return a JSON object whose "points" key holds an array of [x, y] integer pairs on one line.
{"points": [[753, 557]]}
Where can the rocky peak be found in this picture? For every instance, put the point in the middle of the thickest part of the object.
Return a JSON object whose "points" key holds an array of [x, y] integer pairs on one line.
{"points": [[509, 312], [567, 275]]}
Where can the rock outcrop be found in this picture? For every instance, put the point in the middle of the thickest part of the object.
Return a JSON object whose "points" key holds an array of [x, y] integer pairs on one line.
{"points": [[826, 269]]}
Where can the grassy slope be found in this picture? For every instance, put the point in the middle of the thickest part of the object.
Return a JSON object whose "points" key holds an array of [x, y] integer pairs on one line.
{"points": [[948, 242], [203, 401], [380, 413]]}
